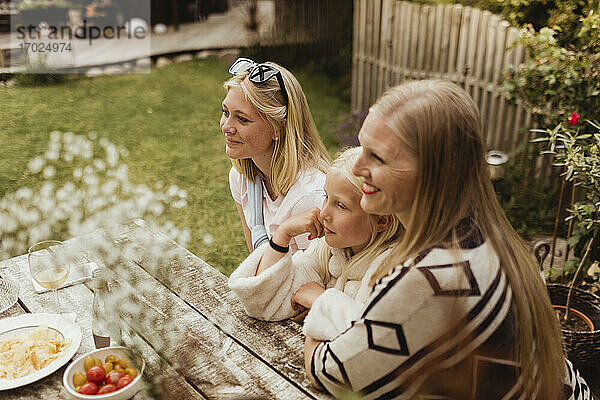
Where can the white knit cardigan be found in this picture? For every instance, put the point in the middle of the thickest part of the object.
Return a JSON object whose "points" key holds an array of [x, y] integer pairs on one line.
{"points": [[268, 295]]}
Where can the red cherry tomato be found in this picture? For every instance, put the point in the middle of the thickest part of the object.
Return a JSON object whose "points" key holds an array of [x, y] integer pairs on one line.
{"points": [[95, 374], [113, 377], [107, 389], [88, 388], [124, 381]]}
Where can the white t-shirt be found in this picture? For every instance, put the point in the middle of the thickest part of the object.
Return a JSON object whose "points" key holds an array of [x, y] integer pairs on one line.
{"points": [[307, 192]]}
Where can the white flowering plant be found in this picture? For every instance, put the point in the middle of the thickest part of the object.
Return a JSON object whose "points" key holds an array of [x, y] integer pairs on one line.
{"points": [[81, 188], [84, 187]]}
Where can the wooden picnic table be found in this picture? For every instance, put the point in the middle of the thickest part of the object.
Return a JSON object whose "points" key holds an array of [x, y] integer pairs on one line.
{"points": [[224, 354]]}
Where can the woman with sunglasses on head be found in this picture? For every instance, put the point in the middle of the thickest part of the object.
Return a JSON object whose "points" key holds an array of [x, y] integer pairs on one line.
{"points": [[458, 309], [279, 161]]}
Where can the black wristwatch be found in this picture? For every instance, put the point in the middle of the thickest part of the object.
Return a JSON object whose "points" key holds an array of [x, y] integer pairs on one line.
{"points": [[277, 247]]}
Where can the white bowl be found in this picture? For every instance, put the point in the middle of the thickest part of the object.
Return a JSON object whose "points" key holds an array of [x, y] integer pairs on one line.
{"points": [[122, 394]]}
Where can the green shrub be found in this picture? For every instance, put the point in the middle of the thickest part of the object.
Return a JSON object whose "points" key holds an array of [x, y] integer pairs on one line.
{"points": [[589, 32], [47, 79], [530, 209], [555, 81], [576, 150], [563, 15]]}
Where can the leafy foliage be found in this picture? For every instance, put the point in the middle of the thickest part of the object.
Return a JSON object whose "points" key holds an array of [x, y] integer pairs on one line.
{"points": [[564, 16], [577, 151], [349, 126], [555, 81]]}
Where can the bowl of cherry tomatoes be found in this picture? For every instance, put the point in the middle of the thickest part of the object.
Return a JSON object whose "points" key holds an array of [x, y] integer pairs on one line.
{"points": [[109, 373]]}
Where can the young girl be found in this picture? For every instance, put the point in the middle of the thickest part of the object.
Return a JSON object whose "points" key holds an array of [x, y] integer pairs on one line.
{"points": [[331, 277], [278, 158]]}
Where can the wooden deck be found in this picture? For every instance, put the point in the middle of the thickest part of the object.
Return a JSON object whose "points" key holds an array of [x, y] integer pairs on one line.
{"points": [[218, 32]]}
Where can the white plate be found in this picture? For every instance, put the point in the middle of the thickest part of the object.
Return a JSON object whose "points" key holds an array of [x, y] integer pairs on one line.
{"points": [[21, 325]]}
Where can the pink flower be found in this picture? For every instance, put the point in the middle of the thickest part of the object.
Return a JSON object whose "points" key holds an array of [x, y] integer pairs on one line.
{"points": [[574, 118]]}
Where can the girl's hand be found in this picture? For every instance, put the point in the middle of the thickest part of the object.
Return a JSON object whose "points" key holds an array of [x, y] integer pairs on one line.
{"points": [[306, 295], [299, 319], [307, 221]]}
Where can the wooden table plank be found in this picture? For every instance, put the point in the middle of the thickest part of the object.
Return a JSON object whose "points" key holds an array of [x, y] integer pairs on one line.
{"points": [[216, 356], [13, 311], [173, 383], [208, 358], [79, 299], [280, 344], [50, 386]]}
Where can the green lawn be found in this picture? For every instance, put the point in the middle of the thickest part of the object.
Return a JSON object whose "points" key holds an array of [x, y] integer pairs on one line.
{"points": [[168, 120]]}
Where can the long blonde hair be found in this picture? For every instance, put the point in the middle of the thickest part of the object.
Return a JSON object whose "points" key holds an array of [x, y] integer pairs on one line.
{"points": [[378, 242], [440, 123], [299, 146]]}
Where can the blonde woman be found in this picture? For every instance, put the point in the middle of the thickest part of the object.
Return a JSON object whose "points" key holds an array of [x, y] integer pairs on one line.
{"points": [[277, 155], [331, 278], [458, 309]]}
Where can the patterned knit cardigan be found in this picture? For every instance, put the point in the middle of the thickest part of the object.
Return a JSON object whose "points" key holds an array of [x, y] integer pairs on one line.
{"points": [[440, 326]]}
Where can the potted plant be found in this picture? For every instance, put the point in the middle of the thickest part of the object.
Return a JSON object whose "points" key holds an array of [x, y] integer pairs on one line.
{"points": [[576, 149], [559, 81]]}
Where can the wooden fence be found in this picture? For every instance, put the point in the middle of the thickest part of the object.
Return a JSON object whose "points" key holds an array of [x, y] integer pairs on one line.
{"points": [[323, 27], [299, 21], [396, 41]]}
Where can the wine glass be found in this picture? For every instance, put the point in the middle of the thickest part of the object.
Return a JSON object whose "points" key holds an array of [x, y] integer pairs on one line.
{"points": [[49, 266]]}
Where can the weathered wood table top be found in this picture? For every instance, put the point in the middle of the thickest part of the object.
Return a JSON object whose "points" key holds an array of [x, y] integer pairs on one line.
{"points": [[221, 354]]}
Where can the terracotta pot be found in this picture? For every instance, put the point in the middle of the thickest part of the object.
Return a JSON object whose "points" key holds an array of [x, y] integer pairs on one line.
{"points": [[582, 347], [581, 315]]}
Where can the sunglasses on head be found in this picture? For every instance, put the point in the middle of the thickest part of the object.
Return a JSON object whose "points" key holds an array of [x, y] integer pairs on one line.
{"points": [[259, 73]]}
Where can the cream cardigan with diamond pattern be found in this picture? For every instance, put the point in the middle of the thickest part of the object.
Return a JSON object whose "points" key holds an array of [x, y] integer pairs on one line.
{"points": [[440, 326]]}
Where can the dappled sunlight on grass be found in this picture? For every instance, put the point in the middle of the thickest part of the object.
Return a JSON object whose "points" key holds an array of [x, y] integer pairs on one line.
{"points": [[168, 120]]}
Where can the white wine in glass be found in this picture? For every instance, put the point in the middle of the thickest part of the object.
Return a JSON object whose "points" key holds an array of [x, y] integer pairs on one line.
{"points": [[52, 278], [49, 265]]}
